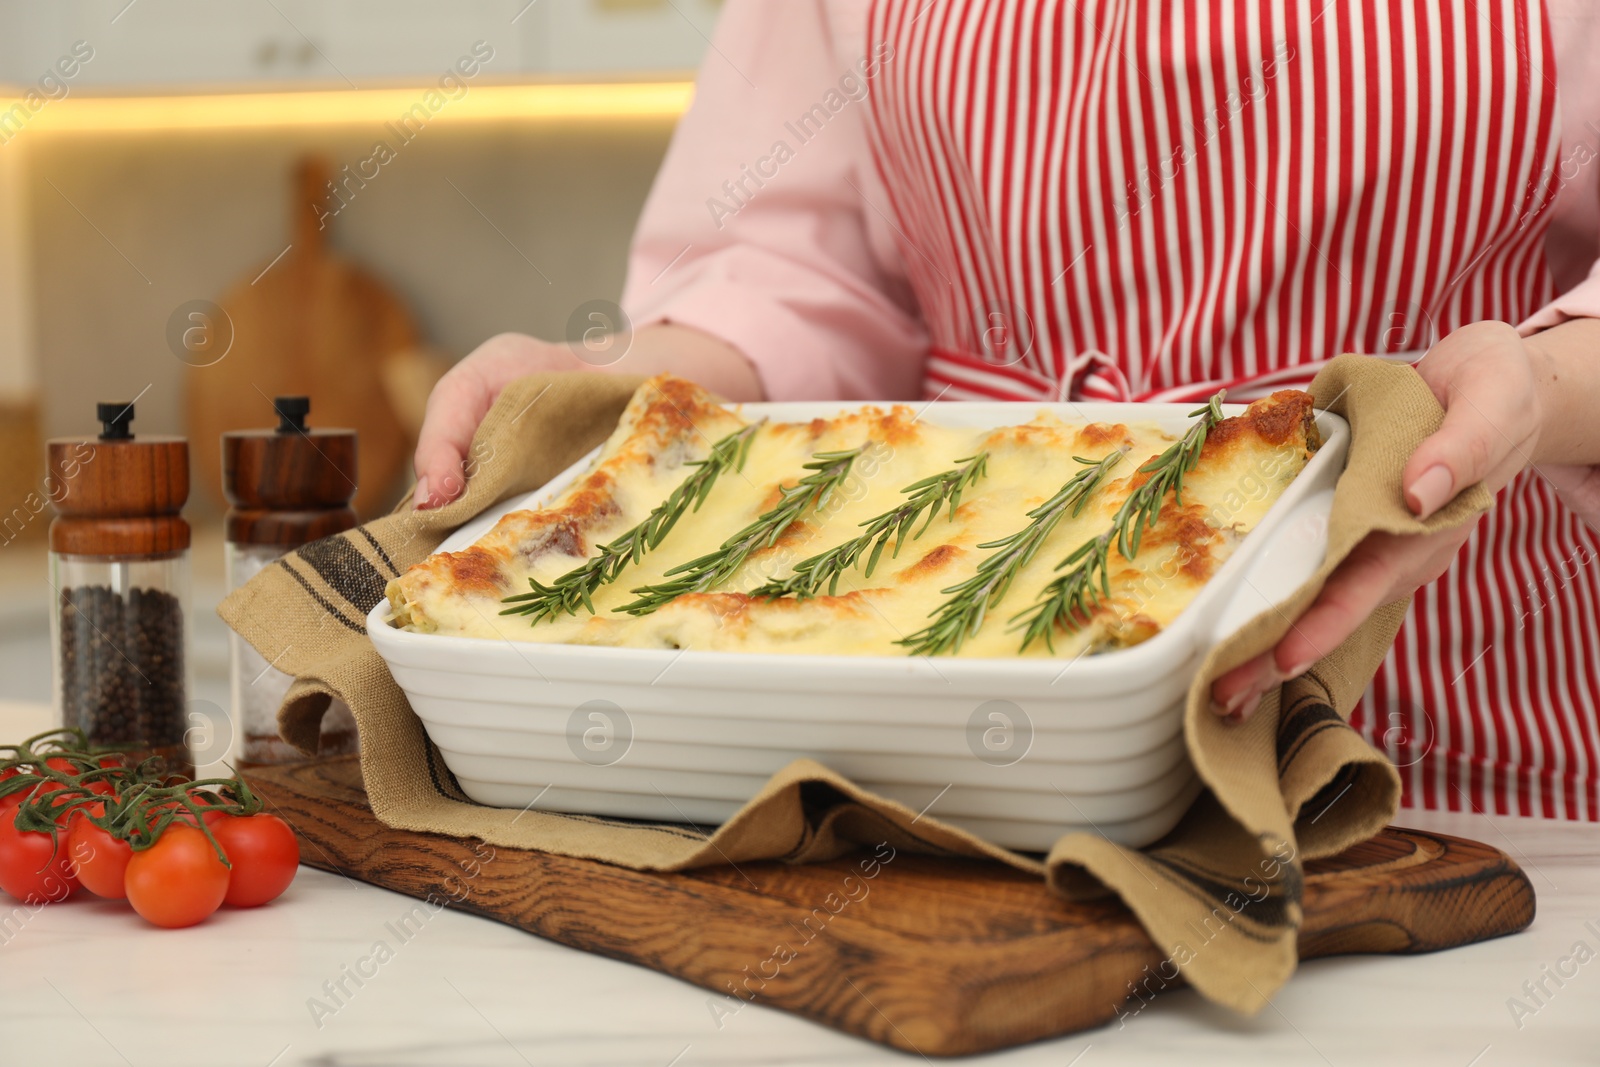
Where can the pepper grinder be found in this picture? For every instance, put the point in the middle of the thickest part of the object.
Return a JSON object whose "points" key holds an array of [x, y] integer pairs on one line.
{"points": [[287, 487], [119, 565]]}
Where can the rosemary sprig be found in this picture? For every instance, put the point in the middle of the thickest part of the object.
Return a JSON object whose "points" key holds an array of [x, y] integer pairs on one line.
{"points": [[576, 587], [927, 495], [1068, 599], [829, 471], [959, 617]]}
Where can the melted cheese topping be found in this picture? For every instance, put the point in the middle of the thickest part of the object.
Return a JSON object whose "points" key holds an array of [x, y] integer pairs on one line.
{"points": [[1246, 463]]}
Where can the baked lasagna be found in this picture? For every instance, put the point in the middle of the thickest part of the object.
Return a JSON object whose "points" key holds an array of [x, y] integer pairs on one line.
{"points": [[695, 527]]}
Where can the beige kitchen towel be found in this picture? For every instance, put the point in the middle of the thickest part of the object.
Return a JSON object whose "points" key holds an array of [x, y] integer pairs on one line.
{"points": [[1220, 895]]}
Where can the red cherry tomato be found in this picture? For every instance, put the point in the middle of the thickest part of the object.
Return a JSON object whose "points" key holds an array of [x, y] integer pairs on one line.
{"points": [[33, 868], [178, 881], [264, 854], [99, 860], [8, 810]]}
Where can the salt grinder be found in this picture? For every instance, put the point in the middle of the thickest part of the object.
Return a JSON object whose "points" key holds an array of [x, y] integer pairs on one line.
{"points": [[287, 487], [119, 568]]}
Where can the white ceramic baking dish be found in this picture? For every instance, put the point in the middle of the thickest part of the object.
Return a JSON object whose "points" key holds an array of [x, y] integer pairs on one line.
{"points": [[1017, 750]]}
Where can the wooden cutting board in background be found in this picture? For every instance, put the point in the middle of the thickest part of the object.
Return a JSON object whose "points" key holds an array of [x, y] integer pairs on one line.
{"points": [[312, 324], [934, 956]]}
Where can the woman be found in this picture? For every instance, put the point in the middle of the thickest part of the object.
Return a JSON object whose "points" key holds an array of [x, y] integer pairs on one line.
{"points": [[1119, 199]]}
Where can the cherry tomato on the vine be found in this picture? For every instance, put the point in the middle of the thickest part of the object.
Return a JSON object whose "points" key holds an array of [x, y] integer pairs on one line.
{"points": [[99, 860], [33, 868], [178, 881], [264, 854]]}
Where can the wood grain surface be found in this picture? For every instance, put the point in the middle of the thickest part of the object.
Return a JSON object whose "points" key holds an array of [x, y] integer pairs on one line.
{"points": [[933, 956], [119, 498], [288, 489]]}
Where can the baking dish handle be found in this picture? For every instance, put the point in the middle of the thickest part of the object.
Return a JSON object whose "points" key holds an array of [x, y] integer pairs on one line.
{"points": [[1287, 561]]}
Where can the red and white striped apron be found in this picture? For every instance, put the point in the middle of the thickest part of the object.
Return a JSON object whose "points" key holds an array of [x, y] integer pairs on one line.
{"points": [[1142, 200]]}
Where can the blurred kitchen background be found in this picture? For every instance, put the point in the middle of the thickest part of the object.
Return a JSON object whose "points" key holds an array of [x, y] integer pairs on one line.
{"points": [[149, 157]]}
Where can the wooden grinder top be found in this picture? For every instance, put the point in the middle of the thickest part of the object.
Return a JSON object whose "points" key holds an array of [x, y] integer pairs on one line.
{"points": [[117, 494], [290, 485]]}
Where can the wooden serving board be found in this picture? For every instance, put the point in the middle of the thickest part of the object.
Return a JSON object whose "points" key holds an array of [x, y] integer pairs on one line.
{"points": [[934, 956]]}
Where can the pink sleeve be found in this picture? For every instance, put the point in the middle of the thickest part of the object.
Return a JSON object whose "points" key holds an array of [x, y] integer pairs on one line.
{"points": [[754, 232], [1580, 302]]}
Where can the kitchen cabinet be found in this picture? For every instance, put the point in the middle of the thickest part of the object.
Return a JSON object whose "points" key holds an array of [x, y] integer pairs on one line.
{"points": [[146, 45], [616, 36], [162, 43]]}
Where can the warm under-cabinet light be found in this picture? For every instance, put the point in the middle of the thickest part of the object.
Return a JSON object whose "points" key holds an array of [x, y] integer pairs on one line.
{"points": [[618, 100]]}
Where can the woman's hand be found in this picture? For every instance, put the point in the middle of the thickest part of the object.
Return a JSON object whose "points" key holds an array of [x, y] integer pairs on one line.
{"points": [[466, 393], [1494, 387], [463, 397]]}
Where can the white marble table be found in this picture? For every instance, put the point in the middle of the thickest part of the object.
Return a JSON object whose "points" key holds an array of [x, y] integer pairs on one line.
{"points": [[88, 983]]}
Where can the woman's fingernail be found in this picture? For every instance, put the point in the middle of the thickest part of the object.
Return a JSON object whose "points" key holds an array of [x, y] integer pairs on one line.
{"points": [[1235, 707], [419, 499], [1432, 490], [1298, 669]]}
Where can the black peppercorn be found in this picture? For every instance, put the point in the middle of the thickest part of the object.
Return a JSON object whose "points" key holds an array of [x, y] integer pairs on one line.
{"points": [[122, 666]]}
